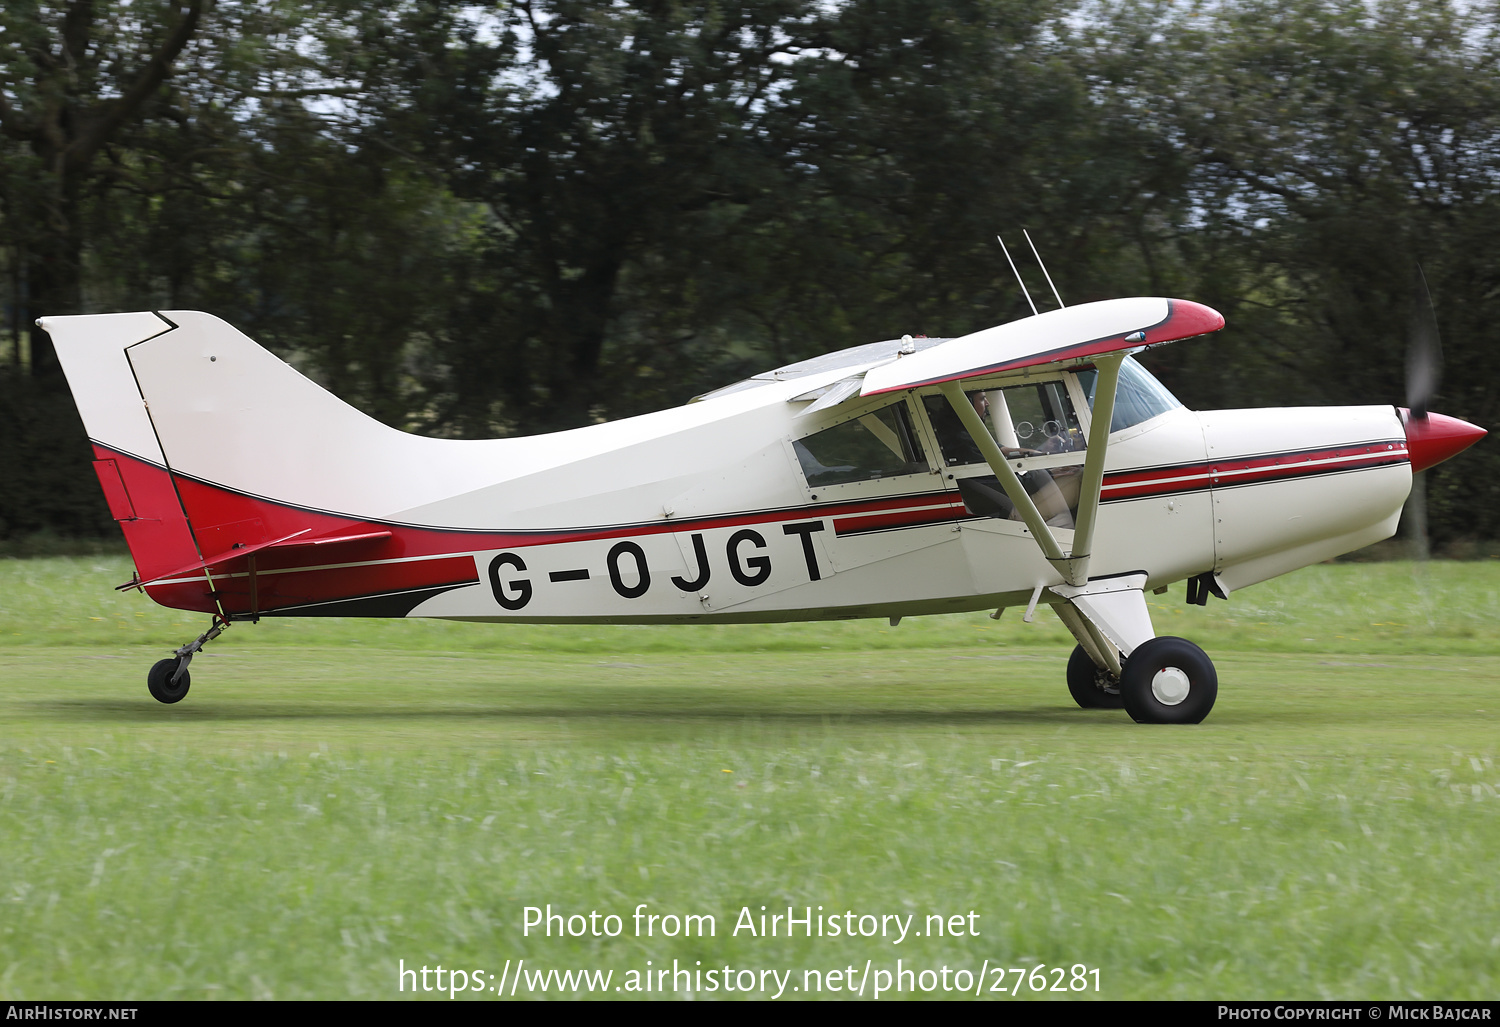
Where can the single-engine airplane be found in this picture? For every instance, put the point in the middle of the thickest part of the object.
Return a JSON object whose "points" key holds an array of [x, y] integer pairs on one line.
{"points": [[1034, 462]]}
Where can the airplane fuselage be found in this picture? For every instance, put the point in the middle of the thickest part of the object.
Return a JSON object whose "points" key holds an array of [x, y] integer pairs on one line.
{"points": [[717, 510]]}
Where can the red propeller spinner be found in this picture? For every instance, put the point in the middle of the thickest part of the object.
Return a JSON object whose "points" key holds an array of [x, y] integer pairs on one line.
{"points": [[1432, 439]]}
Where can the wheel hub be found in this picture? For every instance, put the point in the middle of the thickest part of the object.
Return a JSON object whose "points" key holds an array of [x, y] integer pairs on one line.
{"points": [[1170, 686]]}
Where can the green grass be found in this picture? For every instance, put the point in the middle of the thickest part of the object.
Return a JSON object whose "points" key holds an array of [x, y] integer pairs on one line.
{"points": [[336, 796]]}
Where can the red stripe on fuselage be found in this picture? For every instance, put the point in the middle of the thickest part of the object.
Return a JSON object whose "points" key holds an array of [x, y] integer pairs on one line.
{"points": [[1160, 481], [1257, 469], [414, 557], [939, 508]]}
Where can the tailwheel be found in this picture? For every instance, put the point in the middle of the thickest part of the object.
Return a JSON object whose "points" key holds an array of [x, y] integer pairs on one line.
{"points": [[1091, 686], [168, 680], [1168, 680]]}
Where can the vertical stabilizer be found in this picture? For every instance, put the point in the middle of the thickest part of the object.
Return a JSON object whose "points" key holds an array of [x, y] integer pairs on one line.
{"points": [[127, 455], [91, 349]]}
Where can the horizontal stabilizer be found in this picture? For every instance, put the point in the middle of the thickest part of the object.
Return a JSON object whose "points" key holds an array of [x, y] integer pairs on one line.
{"points": [[1070, 334], [212, 561], [292, 541], [331, 540]]}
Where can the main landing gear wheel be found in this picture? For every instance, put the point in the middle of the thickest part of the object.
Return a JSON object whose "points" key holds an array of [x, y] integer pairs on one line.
{"points": [[1168, 680], [1092, 687], [163, 688]]}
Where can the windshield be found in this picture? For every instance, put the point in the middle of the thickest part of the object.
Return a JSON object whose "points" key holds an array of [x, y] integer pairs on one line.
{"points": [[1140, 396]]}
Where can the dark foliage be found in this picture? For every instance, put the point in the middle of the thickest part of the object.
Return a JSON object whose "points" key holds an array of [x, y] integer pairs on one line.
{"points": [[477, 219]]}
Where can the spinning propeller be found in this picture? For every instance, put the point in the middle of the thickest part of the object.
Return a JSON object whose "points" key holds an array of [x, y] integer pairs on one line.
{"points": [[1430, 438], [1424, 351]]}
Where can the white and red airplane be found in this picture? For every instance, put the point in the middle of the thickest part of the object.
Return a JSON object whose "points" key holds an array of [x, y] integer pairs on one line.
{"points": [[1034, 462]]}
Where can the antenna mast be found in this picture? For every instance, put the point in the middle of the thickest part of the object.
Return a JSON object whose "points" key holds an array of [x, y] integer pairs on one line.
{"points": [[1038, 257], [1017, 274]]}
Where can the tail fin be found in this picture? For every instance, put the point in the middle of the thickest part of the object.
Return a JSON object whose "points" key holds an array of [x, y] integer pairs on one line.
{"points": [[210, 448], [128, 456]]}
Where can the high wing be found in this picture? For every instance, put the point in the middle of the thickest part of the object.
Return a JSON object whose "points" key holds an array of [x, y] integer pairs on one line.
{"points": [[1071, 334], [1108, 617]]}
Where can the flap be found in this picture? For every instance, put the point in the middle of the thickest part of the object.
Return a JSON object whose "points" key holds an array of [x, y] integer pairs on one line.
{"points": [[1068, 334], [830, 395]]}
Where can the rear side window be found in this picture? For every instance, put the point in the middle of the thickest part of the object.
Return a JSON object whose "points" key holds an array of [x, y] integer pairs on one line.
{"points": [[875, 445]]}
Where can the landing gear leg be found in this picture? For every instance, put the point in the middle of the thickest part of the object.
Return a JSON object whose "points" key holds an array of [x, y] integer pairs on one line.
{"points": [[1120, 661], [168, 680]]}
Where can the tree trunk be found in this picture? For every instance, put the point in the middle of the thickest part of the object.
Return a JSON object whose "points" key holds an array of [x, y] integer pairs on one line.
{"points": [[55, 274], [1416, 518], [20, 287], [88, 103]]}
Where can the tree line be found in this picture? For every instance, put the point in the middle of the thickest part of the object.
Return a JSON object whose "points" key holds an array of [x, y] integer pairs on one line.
{"points": [[478, 219]]}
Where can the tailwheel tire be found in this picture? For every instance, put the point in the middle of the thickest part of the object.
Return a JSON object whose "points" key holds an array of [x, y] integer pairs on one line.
{"points": [[1091, 686], [159, 681], [1169, 680]]}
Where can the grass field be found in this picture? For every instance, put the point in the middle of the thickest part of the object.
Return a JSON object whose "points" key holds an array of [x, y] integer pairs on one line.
{"points": [[334, 797]]}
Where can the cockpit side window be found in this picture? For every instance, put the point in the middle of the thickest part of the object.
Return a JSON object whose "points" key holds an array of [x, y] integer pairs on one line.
{"points": [[878, 444], [1140, 396], [1036, 419], [1028, 421]]}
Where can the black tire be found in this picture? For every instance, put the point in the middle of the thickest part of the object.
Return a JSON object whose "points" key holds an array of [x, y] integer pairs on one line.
{"points": [[159, 681], [1185, 670], [1092, 687]]}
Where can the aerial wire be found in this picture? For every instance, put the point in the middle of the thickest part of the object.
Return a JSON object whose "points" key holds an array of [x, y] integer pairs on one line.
{"points": [[1017, 274], [1038, 257]]}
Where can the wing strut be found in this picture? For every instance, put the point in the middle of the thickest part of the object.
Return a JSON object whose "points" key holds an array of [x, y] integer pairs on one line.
{"points": [[1102, 417], [1073, 566]]}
